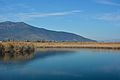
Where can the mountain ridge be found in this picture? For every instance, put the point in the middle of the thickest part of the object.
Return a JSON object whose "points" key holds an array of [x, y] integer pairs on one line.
{"points": [[23, 31]]}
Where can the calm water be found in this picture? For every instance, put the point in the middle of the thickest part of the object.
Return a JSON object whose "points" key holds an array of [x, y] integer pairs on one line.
{"points": [[82, 64]]}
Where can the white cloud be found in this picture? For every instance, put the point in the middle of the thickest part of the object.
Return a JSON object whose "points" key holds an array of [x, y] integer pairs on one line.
{"points": [[30, 16], [27, 16], [108, 2], [109, 17]]}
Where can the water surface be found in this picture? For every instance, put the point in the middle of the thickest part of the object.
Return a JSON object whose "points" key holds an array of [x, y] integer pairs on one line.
{"points": [[63, 64]]}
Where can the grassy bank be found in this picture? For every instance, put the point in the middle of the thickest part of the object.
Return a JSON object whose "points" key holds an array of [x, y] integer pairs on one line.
{"points": [[94, 45], [28, 47], [13, 48]]}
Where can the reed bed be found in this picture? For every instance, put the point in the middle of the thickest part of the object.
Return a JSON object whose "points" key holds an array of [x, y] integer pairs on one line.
{"points": [[94, 45], [28, 47], [16, 48]]}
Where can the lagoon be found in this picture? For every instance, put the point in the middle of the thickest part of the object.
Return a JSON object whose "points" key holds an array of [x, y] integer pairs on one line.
{"points": [[63, 64]]}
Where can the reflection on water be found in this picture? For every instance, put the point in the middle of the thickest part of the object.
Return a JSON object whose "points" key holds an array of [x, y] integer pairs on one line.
{"points": [[62, 64], [16, 57]]}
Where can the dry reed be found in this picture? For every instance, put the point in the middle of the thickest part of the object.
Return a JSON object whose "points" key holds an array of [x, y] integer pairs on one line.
{"points": [[97, 45], [16, 48]]}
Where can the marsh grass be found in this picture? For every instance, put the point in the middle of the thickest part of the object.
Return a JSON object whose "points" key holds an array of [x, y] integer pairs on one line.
{"points": [[13, 48], [94, 45], [27, 47]]}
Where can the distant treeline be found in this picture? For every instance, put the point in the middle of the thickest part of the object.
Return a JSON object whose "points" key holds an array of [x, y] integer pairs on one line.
{"points": [[12, 40]]}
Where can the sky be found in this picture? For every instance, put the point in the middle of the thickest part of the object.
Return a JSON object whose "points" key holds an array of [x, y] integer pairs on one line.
{"points": [[94, 19]]}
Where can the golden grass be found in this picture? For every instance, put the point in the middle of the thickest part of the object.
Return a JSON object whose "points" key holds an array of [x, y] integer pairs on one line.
{"points": [[16, 47], [27, 47], [97, 45]]}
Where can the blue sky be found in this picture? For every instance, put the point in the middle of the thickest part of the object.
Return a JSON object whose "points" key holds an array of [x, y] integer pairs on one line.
{"points": [[95, 19]]}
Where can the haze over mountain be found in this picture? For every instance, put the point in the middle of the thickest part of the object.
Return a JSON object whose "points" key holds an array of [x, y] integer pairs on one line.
{"points": [[23, 31], [112, 40]]}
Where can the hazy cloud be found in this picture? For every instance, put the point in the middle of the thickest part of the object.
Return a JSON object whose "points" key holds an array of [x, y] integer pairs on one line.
{"points": [[109, 17], [12, 6], [27, 16], [108, 2], [30, 16]]}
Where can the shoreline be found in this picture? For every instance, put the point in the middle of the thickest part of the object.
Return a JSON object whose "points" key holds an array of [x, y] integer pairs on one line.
{"points": [[89, 45]]}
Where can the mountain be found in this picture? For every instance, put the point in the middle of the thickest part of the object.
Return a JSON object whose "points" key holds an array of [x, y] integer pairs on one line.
{"points": [[112, 40], [22, 31]]}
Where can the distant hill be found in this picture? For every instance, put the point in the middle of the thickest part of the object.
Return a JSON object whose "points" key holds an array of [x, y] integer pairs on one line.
{"points": [[22, 31], [112, 40]]}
